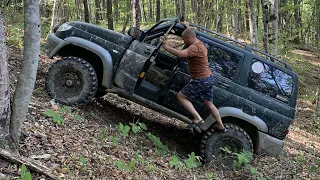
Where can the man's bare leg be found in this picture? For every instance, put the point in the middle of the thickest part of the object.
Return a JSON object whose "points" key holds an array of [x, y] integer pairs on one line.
{"points": [[215, 113], [184, 101]]}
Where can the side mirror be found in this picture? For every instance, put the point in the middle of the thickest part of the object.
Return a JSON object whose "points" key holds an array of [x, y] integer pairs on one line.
{"points": [[136, 33]]}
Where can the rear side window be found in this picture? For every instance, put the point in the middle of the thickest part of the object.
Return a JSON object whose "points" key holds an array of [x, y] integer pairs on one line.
{"points": [[221, 61], [270, 81]]}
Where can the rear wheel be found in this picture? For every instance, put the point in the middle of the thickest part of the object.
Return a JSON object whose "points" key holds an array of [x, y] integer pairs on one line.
{"points": [[71, 81], [218, 147]]}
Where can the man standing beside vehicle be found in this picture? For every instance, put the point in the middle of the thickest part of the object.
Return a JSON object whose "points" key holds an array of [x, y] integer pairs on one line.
{"points": [[201, 83]]}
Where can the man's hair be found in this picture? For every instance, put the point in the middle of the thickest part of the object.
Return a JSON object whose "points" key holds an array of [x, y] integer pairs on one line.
{"points": [[188, 33]]}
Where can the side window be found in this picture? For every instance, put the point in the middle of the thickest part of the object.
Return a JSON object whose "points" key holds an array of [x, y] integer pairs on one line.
{"points": [[221, 61], [270, 81]]}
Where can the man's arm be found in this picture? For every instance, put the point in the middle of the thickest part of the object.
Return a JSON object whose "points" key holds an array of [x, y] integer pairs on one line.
{"points": [[179, 53]]}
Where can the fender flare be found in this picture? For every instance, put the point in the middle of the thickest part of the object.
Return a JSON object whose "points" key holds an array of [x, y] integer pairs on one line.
{"points": [[103, 54], [238, 113]]}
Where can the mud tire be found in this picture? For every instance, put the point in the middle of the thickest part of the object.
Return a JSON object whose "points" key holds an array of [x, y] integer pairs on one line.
{"points": [[82, 81], [235, 139]]}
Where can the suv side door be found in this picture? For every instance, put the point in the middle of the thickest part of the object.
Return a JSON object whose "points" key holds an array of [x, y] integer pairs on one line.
{"points": [[225, 64]]}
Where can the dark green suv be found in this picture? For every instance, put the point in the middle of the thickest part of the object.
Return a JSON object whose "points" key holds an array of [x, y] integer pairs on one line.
{"points": [[255, 93]]}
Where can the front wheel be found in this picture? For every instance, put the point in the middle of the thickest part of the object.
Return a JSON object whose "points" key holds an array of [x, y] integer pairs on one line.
{"points": [[220, 147], [71, 81]]}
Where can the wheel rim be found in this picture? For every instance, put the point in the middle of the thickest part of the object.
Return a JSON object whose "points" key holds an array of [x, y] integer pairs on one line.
{"points": [[68, 83], [230, 144]]}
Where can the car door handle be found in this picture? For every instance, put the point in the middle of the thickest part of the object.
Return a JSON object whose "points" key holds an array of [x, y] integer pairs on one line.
{"points": [[224, 84]]}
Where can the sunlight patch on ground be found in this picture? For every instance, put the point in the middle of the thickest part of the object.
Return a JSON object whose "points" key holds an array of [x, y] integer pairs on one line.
{"points": [[302, 140], [310, 57], [303, 53]]}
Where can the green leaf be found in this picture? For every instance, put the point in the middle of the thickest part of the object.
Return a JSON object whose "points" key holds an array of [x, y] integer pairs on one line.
{"points": [[24, 175], [124, 130], [131, 165], [83, 160], [253, 170], [78, 117], [175, 162], [50, 113], [64, 109], [58, 119], [143, 126], [192, 161], [136, 129], [103, 133], [209, 176], [120, 165], [120, 127], [313, 169], [156, 141], [115, 140]]}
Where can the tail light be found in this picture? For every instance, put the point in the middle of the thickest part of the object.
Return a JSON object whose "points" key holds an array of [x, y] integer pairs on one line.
{"points": [[291, 123]]}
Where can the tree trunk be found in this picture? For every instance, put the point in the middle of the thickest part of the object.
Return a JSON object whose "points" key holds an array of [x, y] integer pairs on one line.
{"points": [[318, 107], [109, 14], [227, 24], [252, 24], [180, 8], [28, 72], [78, 9], [150, 10], [164, 9], [136, 14], [116, 10], [104, 7], [128, 16], [158, 11], [97, 11], [257, 14], [220, 18], [183, 9], [234, 18], [317, 25], [5, 110], [194, 9], [65, 13], [86, 11], [297, 18], [273, 33], [44, 8], [56, 13], [265, 11], [143, 12]]}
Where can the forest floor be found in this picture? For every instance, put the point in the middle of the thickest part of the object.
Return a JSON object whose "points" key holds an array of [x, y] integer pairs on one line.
{"points": [[89, 145]]}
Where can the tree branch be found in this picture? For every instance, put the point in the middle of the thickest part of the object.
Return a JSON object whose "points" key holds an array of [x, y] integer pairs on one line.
{"points": [[38, 168]]}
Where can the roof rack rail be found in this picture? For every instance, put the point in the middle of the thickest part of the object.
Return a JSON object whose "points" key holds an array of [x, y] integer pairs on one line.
{"points": [[244, 46]]}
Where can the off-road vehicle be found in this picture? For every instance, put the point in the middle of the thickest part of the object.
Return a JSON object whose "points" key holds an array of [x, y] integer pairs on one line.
{"points": [[255, 92]]}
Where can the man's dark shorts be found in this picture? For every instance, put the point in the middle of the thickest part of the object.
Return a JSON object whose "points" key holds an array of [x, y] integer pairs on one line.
{"points": [[199, 89]]}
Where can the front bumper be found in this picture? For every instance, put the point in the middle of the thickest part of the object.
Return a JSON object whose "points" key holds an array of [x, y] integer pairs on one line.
{"points": [[269, 144], [54, 44]]}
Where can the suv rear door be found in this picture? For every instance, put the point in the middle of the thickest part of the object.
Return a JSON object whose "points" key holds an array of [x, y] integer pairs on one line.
{"points": [[225, 64], [268, 92]]}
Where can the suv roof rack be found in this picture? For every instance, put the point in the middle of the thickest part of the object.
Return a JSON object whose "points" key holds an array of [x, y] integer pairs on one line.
{"points": [[243, 45]]}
